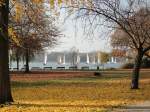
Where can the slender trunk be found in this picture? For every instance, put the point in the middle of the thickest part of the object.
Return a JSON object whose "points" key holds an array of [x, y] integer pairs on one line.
{"points": [[5, 90], [136, 70], [17, 60], [103, 66], [27, 60]]}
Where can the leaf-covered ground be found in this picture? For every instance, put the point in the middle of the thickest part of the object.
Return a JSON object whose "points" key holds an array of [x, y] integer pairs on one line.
{"points": [[86, 94]]}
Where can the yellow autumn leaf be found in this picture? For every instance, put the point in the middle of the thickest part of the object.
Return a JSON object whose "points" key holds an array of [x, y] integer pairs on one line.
{"points": [[37, 1], [52, 3], [19, 10], [13, 36], [59, 2]]}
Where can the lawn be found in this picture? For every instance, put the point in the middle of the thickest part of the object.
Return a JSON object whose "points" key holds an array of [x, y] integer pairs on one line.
{"points": [[80, 94]]}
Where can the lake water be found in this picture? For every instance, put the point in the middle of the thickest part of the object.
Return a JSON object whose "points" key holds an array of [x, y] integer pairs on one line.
{"points": [[54, 65]]}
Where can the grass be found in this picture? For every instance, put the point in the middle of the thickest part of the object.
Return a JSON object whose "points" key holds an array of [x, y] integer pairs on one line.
{"points": [[90, 94]]}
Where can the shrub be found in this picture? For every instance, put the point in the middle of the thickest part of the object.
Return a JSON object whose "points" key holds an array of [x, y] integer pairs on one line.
{"points": [[146, 63], [128, 66], [111, 68], [97, 68], [97, 74]]}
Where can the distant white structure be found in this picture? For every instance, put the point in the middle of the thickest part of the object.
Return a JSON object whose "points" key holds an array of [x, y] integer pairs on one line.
{"points": [[87, 58], [78, 59], [64, 59], [93, 61], [45, 58], [98, 58], [113, 60], [59, 60]]}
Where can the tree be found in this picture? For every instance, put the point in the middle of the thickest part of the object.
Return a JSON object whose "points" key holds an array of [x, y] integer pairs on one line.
{"points": [[139, 43], [35, 29], [5, 90], [17, 54], [119, 39], [74, 54], [104, 57], [129, 16]]}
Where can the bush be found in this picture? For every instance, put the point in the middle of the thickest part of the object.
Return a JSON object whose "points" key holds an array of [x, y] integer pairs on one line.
{"points": [[111, 68], [97, 68], [146, 63], [128, 66], [97, 74]]}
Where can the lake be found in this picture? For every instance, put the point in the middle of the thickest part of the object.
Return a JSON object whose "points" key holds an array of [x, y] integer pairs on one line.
{"points": [[54, 65]]}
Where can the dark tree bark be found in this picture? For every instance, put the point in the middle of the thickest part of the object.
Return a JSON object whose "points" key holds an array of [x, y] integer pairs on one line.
{"points": [[27, 61], [131, 23], [5, 90], [17, 60], [136, 70]]}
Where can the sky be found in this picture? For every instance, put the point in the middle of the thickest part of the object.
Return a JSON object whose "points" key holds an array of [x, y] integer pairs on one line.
{"points": [[74, 37]]}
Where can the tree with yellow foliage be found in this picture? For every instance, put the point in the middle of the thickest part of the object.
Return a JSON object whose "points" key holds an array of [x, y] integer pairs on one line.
{"points": [[5, 90], [35, 29], [104, 58]]}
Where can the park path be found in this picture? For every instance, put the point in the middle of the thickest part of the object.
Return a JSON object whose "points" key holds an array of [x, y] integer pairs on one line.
{"points": [[140, 107]]}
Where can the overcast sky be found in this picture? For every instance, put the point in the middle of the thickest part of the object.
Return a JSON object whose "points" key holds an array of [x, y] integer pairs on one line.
{"points": [[74, 37]]}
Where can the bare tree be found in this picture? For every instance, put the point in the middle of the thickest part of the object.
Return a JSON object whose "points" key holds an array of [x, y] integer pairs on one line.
{"points": [[73, 58], [130, 16]]}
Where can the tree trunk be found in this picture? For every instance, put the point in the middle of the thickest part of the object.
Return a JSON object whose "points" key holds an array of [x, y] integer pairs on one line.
{"points": [[5, 90], [17, 60], [136, 70], [27, 60]]}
